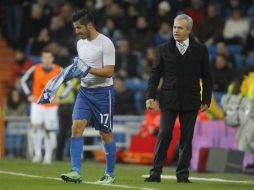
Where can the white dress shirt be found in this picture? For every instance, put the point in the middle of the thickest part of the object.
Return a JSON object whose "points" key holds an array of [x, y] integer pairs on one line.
{"points": [[182, 46]]}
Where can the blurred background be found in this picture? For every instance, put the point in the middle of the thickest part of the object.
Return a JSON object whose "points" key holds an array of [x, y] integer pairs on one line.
{"points": [[136, 27]]}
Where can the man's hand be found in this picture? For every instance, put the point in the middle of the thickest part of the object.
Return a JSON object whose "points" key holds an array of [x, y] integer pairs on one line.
{"points": [[84, 68], [151, 104], [56, 100], [31, 98], [204, 107]]}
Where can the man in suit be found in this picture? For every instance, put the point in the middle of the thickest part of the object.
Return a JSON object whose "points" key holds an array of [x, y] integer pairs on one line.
{"points": [[182, 62]]}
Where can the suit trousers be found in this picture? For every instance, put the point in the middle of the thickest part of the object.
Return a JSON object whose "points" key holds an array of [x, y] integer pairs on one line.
{"points": [[187, 123]]}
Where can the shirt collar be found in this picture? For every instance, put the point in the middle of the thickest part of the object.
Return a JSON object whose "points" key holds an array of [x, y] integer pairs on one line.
{"points": [[186, 42]]}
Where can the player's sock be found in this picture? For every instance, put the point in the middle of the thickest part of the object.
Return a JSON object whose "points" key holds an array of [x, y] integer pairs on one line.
{"points": [[36, 138], [110, 154], [76, 151]]}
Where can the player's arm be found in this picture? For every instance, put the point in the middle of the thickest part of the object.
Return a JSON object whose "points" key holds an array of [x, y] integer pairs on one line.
{"points": [[25, 81], [106, 71]]}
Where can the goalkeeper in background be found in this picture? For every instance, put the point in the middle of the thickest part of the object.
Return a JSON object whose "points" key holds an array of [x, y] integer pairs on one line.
{"points": [[96, 99]]}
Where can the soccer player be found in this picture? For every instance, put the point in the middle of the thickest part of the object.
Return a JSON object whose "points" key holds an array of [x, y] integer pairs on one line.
{"points": [[42, 115], [95, 100]]}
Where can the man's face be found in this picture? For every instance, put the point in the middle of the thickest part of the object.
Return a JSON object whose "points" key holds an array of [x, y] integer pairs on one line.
{"points": [[82, 30], [180, 30], [47, 59]]}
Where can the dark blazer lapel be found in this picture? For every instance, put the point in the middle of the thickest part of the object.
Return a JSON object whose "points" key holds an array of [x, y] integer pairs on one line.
{"points": [[192, 45]]}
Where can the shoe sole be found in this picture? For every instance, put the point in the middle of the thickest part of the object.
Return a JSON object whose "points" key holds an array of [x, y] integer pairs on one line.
{"points": [[68, 179]]}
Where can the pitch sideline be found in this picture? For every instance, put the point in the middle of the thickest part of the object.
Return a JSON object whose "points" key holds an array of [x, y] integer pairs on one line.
{"points": [[85, 182], [205, 179]]}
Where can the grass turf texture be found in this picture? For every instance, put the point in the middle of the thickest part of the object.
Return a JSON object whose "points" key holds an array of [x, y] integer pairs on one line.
{"points": [[127, 177]]}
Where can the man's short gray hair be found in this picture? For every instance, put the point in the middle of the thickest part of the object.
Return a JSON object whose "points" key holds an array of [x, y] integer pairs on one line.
{"points": [[187, 18]]}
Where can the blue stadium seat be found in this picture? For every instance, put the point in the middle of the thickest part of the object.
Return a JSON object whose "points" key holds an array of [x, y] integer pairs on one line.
{"points": [[218, 96], [235, 49], [240, 60], [138, 87], [211, 50], [250, 61], [35, 58]]}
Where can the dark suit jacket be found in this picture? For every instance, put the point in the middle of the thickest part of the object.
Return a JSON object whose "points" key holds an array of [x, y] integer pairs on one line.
{"points": [[181, 74]]}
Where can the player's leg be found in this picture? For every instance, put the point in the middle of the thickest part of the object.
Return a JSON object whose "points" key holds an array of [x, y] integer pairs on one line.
{"points": [[81, 115], [36, 132], [51, 125], [104, 101], [110, 155], [76, 149], [50, 145]]}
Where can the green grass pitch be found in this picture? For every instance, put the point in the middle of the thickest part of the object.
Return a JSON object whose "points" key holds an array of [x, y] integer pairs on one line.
{"points": [[17, 174]]}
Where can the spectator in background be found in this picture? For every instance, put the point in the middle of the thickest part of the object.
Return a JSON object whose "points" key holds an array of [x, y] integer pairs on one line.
{"points": [[89, 5], [21, 64], [57, 29], [221, 49], [132, 12], [15, 104], [113, 10], [236, 27], [148, 62], [125, 99], [250, 11], [47, 11], [36, 23], [127, 63], [230, 5], [163, 14], [196, 11], [66, 14], [40, 42], [248, 48], [178, 6], [235, 86], [109, 29], [140, 37], [222, 74], [151, 122], [209, 30], [17, 83], [61, 53], [14, 20], [164, 33]]}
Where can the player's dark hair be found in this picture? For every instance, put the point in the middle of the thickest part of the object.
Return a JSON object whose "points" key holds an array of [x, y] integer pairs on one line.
{"points": [[46, 50], [83, 16]]}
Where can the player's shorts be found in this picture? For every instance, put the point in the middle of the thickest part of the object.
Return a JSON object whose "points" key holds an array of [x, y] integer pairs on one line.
{"points": [[96, 105], [46, 116]]}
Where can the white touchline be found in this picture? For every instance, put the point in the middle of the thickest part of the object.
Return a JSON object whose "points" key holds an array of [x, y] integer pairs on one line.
{"points": [[204, 179], [86, 182]]}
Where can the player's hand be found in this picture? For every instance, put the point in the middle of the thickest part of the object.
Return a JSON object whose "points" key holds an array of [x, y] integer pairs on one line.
{"points": [[203, 107], [56, 100], [151, 104], [82, 66], [31, 98]]}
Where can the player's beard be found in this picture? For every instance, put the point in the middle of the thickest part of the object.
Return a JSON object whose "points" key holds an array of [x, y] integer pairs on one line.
{"points": [[84, 35]]}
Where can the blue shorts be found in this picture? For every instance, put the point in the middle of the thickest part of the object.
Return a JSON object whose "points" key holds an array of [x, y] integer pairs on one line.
{"points": [[96, 105]]}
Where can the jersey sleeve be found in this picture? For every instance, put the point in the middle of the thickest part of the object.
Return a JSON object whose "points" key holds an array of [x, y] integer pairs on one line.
{"points": [[108, 53], [26, 78]]}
